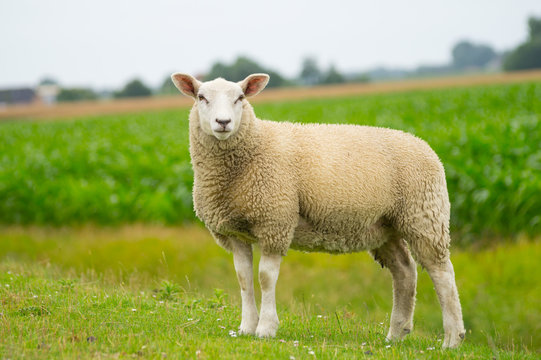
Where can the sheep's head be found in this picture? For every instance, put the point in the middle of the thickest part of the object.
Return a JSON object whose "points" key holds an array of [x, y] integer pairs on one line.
{"points": [[220, 102]]}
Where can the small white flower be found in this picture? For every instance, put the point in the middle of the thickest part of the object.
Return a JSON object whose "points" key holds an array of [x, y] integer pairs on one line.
{"points": [[311, 352], [296, 343], [282, 341], [232, 333], [363, 344], [7, 285], [291, 357], [221, 326], [388, 346], [134, 310], [430, 348], [35, 296], [161, 301], [218, 319], [319, 316], [190, 319]]}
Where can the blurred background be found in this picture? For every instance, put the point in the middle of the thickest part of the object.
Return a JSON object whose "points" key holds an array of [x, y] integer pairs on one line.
{"points": [[95, 174], [76, 50]]}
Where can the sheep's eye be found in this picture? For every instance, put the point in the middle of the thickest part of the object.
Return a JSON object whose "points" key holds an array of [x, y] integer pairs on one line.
{"points": [[239, 99], [202, 98]]}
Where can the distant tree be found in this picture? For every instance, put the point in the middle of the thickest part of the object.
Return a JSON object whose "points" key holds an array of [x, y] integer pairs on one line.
{"points": [[48, 81], [219, 69], [528, 54], [469, 55], [433, 70], [167, 88], [534, 26], [360, 78], [310, 73], [134, 88], [241, 68], [76, 94], [332, 76]]}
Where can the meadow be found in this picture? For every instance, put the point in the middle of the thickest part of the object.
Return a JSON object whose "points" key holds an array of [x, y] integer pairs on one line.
{"points": [[101, 255], [155, 292], [130, 168]]}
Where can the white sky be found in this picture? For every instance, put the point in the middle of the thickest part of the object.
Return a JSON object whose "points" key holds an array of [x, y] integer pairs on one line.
{"points": [[104, 43]]}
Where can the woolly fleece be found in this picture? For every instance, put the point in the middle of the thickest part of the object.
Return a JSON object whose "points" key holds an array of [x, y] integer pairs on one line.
{"points": [[317, 187], [329, 188]]}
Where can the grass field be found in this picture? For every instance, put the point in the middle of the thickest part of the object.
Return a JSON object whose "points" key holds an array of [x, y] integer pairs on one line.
{"points": [[118, 169], [157, 292], [78, 281]]}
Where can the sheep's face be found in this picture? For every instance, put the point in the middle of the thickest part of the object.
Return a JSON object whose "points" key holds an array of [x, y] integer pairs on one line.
{"points": [[220, 102]]}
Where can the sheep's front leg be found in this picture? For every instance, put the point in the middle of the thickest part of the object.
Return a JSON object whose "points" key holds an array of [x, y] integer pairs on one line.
{"points": [[269, 268], [243, 260]]}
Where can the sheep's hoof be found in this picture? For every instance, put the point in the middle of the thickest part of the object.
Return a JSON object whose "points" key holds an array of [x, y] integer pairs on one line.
{"points": [[266, 330], [453, 340], [397, 335], [249, 329]]}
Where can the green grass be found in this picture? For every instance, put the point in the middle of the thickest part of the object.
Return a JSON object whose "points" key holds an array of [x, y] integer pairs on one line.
{"points": [[119, 169], [140, 291]]}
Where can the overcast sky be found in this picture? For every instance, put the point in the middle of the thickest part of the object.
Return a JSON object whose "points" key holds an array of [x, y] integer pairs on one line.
{"points": [[104, 43]]}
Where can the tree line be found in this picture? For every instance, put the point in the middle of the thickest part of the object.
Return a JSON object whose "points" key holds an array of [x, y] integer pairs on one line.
{"points": [[466, 56]]}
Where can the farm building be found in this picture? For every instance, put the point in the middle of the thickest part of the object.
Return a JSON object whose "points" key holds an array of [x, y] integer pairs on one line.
{"points": [[47, 92], [17, 96]]}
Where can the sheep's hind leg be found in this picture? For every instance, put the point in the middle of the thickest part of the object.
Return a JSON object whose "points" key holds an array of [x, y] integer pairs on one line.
{"points": [[395, 256], [269, 268], [443, 277], [432, 252], [243, 260]]}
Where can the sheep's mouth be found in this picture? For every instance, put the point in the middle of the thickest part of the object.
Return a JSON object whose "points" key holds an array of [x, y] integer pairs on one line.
{"points": [[222, 134]]}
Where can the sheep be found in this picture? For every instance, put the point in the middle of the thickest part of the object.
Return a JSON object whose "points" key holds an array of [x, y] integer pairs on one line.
{"points": [[317, 187]]}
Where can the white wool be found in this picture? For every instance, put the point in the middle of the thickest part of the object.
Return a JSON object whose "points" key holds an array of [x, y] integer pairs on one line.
{"points": [[329, 188]]}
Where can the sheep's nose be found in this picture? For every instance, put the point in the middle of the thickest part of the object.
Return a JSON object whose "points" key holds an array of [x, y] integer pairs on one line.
{"points": [[223, 122]]}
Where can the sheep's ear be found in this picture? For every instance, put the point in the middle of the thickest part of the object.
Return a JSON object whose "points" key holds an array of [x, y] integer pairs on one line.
{"points": [[253, 84], [187, 84]]}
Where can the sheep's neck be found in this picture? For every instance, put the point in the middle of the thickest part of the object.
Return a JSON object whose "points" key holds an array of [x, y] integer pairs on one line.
{"points": [[223, 158]]}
